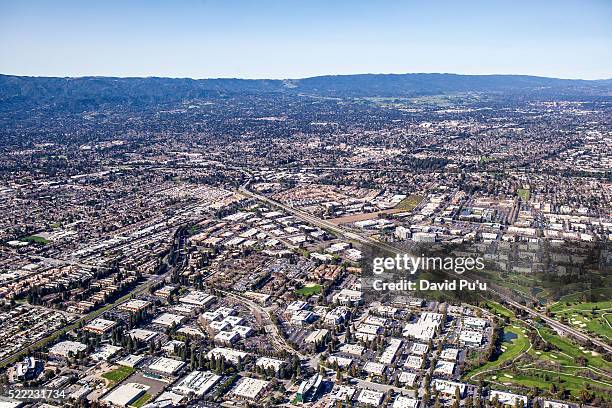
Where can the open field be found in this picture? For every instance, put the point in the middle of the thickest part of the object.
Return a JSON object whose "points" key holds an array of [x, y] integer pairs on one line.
{"points": [[118, 374], [498, 309], [523, 193], [587, 311], [574, 350], [35, 239], [309, 290], [144, 398], [532, 377], [409, 203]]}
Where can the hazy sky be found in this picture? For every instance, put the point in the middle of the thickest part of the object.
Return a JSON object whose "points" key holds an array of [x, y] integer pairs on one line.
{"points": [[291, 39]]}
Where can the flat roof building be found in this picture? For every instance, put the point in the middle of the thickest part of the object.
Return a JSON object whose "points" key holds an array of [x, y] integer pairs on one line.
{"points": [[370, 397], [67, 348], [166, 366], [250, 388], [507, 398], [196, 382], [126, 394], [405, 402], [134, 305], [168, 319], [99, 326]]}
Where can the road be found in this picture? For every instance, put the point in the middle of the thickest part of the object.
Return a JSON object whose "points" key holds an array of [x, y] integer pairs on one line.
{"points": [[381, 245]]}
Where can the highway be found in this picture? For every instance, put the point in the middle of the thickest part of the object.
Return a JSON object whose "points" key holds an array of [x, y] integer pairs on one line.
{"points": [[381, 245]]}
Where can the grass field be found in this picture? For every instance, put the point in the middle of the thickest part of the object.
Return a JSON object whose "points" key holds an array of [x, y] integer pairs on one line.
{"points": [[409, 203], [309, 290], [35, 239], [510, 350], [572, 349], [118, 374], [523, 193], [588, 311], [498, 309], [532, 377], [142, 400]]}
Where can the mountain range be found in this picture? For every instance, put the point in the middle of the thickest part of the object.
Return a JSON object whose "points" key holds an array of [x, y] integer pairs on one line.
{"points": [[19, 92]]}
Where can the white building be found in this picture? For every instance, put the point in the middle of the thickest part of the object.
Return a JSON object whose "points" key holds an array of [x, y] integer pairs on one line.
{"points": [[408, 379], [229, 354], [267, 362], [405, 402], [66, 349], [374, 368], [470, 338], [126, 394], [425, 328], [507, 398], [348, 297], [370, 397], [448, 387], [197, 382], [250, 388], [166, 366], [169, 319], [449, 354], [444, 368]]}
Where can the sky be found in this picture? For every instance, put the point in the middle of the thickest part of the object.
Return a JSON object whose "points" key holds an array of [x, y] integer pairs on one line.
{"points": [[296, 39]]}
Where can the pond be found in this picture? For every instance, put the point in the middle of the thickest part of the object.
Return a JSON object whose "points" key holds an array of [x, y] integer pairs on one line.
{"points": [[509, 336]]}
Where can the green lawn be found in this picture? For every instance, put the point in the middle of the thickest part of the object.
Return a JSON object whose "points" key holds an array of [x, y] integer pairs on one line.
{"points": [[142, 400], [523, 193], [570, 348], [309, 290], [577, 310], [498, 309], [409, 203], [35, 239], [528, 377], [513, 348], [118, 374]]}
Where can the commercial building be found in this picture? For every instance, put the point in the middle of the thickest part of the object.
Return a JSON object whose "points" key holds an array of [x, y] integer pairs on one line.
{"points": [[167, 366], [198, 298], [405, 402], [309, 388], [134, 305], [67, 349], [250, 388], [229, 354], [126, 394], [143, 335], [267, 362], [99, 326], [507, 398], [348, 297], [169, 319], [370, 397], [448, 387], [470, 338], [425, 328], [196, 382]]}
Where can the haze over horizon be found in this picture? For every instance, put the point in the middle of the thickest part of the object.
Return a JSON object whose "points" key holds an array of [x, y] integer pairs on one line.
{"points": [[270, 40]]}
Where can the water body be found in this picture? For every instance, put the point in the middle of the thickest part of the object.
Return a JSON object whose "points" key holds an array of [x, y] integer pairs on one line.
{"points": [[509, 336]]}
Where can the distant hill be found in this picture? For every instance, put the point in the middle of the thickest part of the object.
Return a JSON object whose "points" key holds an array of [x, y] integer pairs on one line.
{"points": [[17, 92]]}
